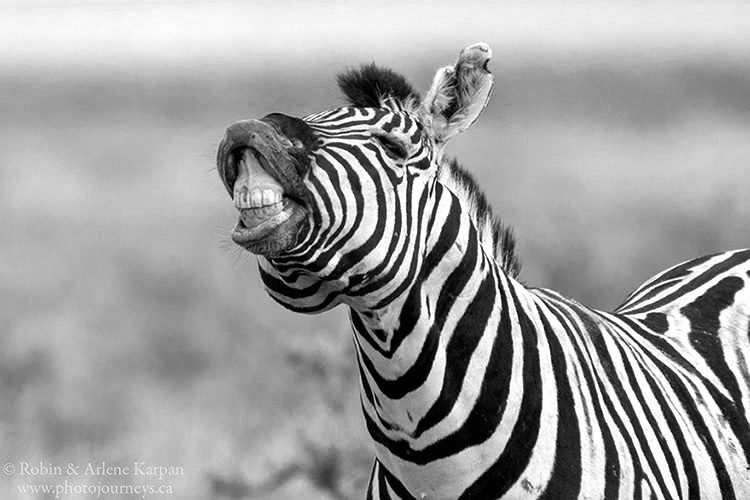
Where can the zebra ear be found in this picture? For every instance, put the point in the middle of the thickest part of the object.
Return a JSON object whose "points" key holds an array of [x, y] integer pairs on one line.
{"points": [[458, 94]]}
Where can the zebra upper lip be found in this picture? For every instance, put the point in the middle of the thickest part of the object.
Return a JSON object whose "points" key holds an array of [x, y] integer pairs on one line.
{"points": [[270, 148]]}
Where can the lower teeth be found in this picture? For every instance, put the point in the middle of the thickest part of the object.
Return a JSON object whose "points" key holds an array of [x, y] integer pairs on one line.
{"points": [[254, 216]]}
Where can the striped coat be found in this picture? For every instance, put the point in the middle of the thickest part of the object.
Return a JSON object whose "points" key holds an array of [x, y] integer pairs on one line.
{"points": [[474, 385]]}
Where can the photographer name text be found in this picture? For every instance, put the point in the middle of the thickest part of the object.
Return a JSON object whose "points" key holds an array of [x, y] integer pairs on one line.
{"points": [[100, 469]]}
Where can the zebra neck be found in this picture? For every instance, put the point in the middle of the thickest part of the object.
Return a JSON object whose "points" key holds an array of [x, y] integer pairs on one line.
{"points": [[414, 356]]}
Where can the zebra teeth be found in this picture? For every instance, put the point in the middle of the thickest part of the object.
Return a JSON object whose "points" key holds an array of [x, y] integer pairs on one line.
{"points": [[254, 186], [257, 198], [270, 197], [264, 198], [254, 216]]}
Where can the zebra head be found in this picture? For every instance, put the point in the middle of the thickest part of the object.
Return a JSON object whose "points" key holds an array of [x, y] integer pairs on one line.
{"points": [[337, 205]]}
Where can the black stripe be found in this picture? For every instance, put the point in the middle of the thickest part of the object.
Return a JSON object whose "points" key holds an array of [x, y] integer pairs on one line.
{"points": [[506, 470], [422, 164], [323, 237], [652, 421], [383, 488], [416, 136], [461, 346], [486, 413], [365, 384], [591, 331], [588, 371], [411, 310], [395, 122], [690, 406], [317, 265], [317, 219], [637, 441], [565, 481], [657, 322], [446, 240], [414, 265], [703, 314], [369, 395], [283, 288], [348, 113], [367, 334], [658, 288], [418, 372], [675, 427], [353, 256], [398, 488], [702, 279], [356, 280], [675, 273]]}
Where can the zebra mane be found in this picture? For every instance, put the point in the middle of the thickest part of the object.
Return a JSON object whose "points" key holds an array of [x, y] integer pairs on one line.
{"points": [[494, 235], [369, 85]]}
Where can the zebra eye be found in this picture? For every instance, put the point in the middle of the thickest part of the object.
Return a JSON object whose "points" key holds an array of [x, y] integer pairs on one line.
{"points": [[393, 147]]}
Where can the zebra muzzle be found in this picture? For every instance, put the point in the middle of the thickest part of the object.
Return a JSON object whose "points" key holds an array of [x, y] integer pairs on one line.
{"points": [[261, 176]]}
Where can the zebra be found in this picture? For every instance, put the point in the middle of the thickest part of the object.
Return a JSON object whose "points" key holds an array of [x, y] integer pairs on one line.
{"points": [[472, 384]]}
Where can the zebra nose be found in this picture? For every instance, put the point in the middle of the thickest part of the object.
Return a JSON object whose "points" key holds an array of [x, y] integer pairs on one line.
{"points": [[246, 133], [253, 134]]}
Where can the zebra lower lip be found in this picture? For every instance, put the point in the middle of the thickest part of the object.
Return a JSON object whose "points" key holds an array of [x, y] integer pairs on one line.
{"points": [[256, 224]]}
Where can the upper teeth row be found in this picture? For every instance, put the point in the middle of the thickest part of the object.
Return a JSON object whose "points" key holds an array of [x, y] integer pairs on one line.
{"points": [[258, 198]]}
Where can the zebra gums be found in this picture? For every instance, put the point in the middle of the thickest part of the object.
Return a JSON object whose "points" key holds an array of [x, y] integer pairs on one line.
{"points": [[472, 384]]}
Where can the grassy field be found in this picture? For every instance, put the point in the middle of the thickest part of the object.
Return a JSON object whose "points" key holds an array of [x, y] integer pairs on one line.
{"points": [[132, 330]]}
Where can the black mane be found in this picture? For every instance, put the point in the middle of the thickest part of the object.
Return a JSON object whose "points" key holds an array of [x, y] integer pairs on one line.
{"points": [[502, 241], [366, 86]]}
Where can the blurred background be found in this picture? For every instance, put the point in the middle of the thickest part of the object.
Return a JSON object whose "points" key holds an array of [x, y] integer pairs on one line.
{"points": [[131, 329]]}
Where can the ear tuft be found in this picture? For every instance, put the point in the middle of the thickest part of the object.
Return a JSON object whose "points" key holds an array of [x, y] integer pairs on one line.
{"points": [[369, 85], [459, 93]]}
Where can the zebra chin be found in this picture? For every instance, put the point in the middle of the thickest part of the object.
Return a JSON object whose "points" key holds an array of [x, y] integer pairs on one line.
{"points": [[275, 235]]}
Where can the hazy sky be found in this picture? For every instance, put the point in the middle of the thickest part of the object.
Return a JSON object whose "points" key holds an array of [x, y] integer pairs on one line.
{"points": [[52, 33]]}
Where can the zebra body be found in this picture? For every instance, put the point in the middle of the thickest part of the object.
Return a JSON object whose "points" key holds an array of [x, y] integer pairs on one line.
{"points": [[474, 385], [582, 403]]}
